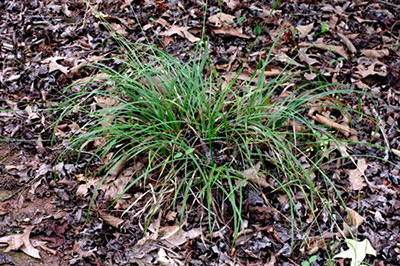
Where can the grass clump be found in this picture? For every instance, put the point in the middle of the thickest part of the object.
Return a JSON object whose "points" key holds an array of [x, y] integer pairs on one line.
{"points": [[202, 139]]}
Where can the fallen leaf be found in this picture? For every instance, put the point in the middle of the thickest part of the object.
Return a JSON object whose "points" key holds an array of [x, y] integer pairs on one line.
{"points": [[304, 30], [356, 218], [231, 32], [22, 242], [375, 53], [232, 4], [357, 251], [53, 65], [111, 220], [253, 175], [181, 237], [119, 29], [348, 43], [346, 130], [327, 47], [365, 72], [221, 19], [181, 31], [356, 175], [83, 189]]}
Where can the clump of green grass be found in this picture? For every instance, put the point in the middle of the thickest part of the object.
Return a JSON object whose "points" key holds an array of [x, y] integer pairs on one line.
{"points": [[197, 135]]}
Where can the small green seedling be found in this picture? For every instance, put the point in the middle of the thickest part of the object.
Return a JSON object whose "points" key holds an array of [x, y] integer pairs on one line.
{"points": [[324, 29], [257, 30], [309, 261], [240, 20]]}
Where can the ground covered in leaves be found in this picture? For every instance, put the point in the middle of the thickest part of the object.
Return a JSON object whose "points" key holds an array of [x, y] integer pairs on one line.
{"points": [[47, 45]]}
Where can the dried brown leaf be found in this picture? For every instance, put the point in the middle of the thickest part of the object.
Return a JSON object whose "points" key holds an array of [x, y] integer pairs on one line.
{"points": [[348, 43], [356, 178], [375, 53], [221, 19], [304, 30], [181, 31], [111, 220], [232, 4], [356, 218], [231, 32]]}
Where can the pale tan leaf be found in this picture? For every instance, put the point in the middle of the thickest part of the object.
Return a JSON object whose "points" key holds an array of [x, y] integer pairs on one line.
{"points": [[53, 65], [357, 251], [375, 53], [253, 175], [232, 32], [232, 4], [181, 31], [221, 19], [356, 178], [21, 242], [365, 72], [348, 43], [304, 30]]}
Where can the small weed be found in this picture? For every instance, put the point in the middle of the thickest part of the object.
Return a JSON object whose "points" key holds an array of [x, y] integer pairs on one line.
{"points": [[309, 261], [197, 135]]}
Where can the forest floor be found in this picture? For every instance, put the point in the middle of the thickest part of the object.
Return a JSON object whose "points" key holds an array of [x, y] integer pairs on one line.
{"points": [[46, 45]]}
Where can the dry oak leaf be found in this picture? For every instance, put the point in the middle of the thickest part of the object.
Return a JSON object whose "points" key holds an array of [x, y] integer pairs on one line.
{"points": [[356, 175], [181, 31], [375, 53], [231, 32], [327, 47], [53, 65], [22, 242], [221, 19], [111, 220], [365, 72], [304, 30], [232, 4]]}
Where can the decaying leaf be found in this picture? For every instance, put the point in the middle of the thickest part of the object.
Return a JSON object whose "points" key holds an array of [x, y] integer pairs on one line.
{"points": [[232, 4], [327, 47], [111, 220], [304, 30], [356, 175], [22, 242], [356, 218], [181, 31], [221, 19], [53, 65], [375, 53], [365, 72], [348, 43], [357, 251], [253, 175], [231, 32]]}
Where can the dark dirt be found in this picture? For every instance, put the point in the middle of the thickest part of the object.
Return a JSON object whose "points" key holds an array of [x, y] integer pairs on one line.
{"points": [[46, 45]]}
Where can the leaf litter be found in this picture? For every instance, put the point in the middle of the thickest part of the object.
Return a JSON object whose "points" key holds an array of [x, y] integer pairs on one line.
{"points": [[43, 51]]}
